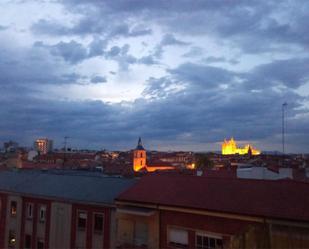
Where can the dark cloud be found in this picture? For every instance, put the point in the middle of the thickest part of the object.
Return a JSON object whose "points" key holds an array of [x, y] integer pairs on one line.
{"points": [[192, 102], [207, 76], [254, 26], [170, 39], [220, 59], [72, 52], [291, 73], [212, 59], [3, 27], [98, 79], [92, 23], [195, 113], [194, 52], [147, 60], [97, 47], [50, 27]]}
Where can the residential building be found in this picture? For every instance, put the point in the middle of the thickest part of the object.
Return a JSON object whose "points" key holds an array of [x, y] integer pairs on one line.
{"points": [[58, 209], [43, 145], [181, 211]]}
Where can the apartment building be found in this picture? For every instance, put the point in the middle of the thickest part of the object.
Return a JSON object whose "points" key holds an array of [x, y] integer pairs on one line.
{"points": [[181, 211], [58, 209]]}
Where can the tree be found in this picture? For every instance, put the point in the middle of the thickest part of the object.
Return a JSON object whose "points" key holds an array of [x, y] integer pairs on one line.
{"points": [[203, 161]]}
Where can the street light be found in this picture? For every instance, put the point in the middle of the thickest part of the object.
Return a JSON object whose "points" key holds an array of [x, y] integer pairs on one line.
{"points": [[284, 106]]}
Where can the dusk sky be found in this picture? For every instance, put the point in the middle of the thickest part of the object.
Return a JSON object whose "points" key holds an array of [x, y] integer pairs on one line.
{"points": [[181, 74]]}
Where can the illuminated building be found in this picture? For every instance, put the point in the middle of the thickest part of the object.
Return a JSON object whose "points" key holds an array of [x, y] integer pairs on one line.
{"points": [[139, 160], [43, 145], [229, 147]]}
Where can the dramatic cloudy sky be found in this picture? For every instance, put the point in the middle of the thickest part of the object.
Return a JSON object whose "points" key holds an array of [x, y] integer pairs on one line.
{"points": [[182, 74]]}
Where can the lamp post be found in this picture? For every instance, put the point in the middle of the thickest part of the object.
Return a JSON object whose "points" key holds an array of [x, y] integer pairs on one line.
{"points": [[65, 149], [284, 105]]}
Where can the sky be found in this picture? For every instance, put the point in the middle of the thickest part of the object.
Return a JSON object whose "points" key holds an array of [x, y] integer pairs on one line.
{"points": [[181, 74]]}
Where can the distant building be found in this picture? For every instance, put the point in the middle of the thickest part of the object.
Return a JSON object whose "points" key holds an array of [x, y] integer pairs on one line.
{"points": [[229, 147], [139, 158], [43, 145], [139, 161], [10, 146]]}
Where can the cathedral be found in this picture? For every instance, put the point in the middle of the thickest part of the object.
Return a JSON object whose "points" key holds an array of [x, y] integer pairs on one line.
{"points": [[229, 147]]}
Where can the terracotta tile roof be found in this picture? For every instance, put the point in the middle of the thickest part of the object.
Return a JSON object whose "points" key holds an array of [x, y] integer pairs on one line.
{"points": [[282, 199]]}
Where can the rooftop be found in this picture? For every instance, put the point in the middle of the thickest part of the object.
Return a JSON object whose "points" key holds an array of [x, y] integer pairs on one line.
{"points": [[281, 199], [81, 186]]}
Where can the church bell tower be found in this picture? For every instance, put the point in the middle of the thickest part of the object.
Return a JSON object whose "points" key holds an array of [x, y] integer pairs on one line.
{"points": [[139, 156]]}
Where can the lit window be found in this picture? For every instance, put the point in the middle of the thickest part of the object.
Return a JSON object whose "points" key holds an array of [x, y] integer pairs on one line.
{"points": [[42, 213], [12, 238], [40, 244], [178, 238], [13, 208], [98, 222], [28, 240], [205, 241], [29, 208], [82, 220]]}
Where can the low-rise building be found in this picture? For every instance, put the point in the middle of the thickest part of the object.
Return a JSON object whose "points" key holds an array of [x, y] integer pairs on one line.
{"points": [[180, 211], [58, 209]]}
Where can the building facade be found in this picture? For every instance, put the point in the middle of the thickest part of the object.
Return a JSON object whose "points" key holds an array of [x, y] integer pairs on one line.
{"points": [[140, 164], [170, 211], [43, 145], [36, 214]]}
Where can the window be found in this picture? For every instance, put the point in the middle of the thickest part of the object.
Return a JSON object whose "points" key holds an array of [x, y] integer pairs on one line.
{"points": [[141, 234], [141, 162], [12, 238], [28, 239], [98, 222], [40, 244], [42, 214], [13, 208], [29, 208], [205, 241], [82, 220], [178, 237]]}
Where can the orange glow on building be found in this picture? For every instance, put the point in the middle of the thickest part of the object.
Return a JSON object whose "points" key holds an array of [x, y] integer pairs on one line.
{"points": [[155, 168], [139, 160], [191, 166], [229, 147]]}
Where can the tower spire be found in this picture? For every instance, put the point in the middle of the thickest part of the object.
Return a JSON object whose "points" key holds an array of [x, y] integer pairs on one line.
{"points": [[139, 144]]}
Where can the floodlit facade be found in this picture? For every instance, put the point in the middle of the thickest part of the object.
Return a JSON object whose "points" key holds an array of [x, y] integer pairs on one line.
{"points": [[139, 160], [229, 147]]}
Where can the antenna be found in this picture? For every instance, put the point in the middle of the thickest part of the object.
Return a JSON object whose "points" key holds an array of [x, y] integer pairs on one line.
{"points": [[65, 148], [65, 143], [284, 106]]}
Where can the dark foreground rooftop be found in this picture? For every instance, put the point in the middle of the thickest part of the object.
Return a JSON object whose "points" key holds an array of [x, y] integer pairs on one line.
{"points": [[280, 199], [70, 185]]}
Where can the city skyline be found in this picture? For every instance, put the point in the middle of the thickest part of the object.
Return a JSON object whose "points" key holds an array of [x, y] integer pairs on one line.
{"points": [[182, 75]]}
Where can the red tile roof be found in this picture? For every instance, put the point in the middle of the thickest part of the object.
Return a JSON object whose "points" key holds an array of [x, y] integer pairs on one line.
{"points": [[282, 199]]}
